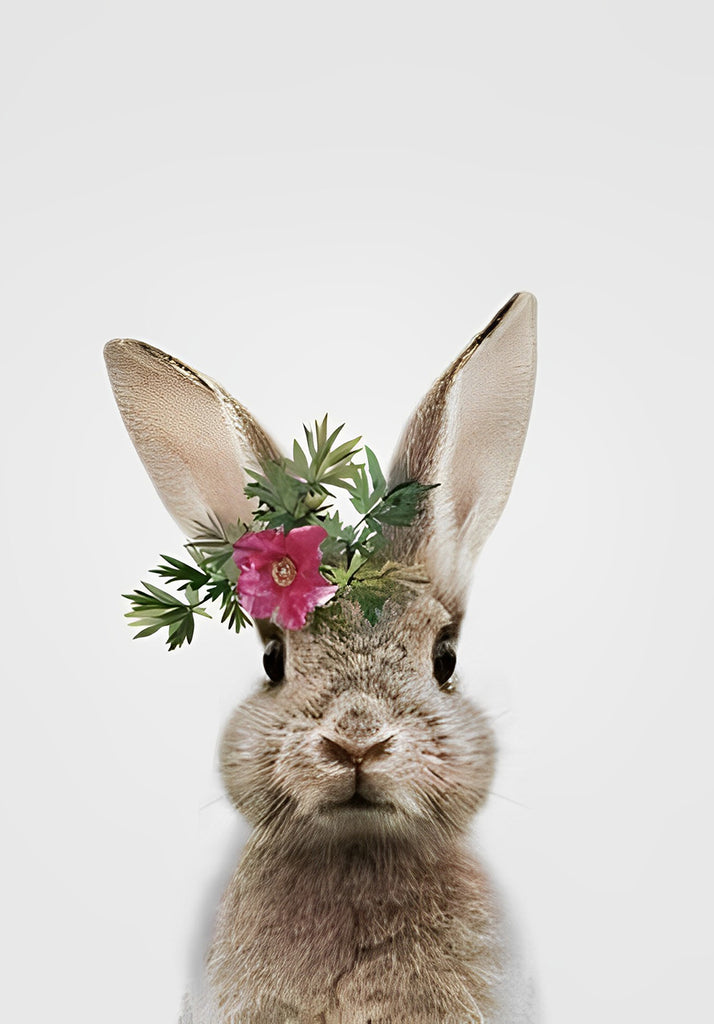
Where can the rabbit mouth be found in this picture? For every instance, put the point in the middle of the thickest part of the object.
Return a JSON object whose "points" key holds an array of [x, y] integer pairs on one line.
{"points": [[360, 802], [357, 800]]}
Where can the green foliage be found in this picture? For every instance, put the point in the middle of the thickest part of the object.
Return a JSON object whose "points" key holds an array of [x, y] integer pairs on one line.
{"points": [[325, 467], [400, 506], [175, 571], [379, 507], [370, 586], [153, 609], [367, 491], [282, 498], [371, 598], [293, 492], [296, 492]]}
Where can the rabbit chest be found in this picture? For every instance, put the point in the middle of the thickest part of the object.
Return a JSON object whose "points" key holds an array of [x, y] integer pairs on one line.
{"points": [[357, 938]]}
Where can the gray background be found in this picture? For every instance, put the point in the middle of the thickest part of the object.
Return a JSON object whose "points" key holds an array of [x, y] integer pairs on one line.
{"points": [[319, 204]]}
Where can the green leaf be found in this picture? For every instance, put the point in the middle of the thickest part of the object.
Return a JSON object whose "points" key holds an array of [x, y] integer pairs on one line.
{"points": [[321, 432], [310, 442], [343, 453], [300, 465], [277, 490], [336, 574], [367, 492], [148, 631], [162, 596], [379, 484], [356, 562], [371, 601], [341, 476], [400, 506], [176, 571], [371, 586], [333, 524]]}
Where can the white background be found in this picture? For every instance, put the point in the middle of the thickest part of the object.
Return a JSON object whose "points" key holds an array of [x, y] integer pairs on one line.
{"points": [[319, 204]]}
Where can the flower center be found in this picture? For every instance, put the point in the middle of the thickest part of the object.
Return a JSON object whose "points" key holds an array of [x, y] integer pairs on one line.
{"points": [[284, 571]]}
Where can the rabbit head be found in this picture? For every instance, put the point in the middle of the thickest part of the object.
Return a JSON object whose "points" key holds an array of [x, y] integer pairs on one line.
{"points": [[359, 731]]}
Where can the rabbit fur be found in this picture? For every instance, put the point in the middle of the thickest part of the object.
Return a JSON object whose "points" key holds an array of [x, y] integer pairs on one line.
{"points": [[357, 899]]}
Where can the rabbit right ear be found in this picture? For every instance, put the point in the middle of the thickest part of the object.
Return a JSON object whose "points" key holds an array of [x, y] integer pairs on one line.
{"points": [[467, 436], [194, 439]]}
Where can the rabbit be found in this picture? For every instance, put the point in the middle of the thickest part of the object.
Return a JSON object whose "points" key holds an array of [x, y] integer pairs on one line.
{"points": [[358, 761]]}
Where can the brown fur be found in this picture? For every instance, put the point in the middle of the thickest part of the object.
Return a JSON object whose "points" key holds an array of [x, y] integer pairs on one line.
{"points": [[353, 915]]}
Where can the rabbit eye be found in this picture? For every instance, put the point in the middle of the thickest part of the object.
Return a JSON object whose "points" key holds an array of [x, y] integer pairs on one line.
{"points": [[444, 658], [274, 661]]}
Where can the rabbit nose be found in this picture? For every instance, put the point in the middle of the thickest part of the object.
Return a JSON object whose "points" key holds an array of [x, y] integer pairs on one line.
{"points": [[359, 722], [354, 752]]}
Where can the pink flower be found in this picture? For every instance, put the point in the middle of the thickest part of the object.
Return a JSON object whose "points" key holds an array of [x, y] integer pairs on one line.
{"points": [[278, 574]]}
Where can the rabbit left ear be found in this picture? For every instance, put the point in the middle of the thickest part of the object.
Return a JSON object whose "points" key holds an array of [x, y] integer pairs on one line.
{"points": [[467, 435], [193, 438]]}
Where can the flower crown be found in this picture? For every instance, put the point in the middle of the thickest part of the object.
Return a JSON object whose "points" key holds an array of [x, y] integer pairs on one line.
{"points": [[297, 555]]}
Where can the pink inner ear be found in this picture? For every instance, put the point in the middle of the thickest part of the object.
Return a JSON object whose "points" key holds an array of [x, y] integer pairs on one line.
{"points": [[467, 435], [193, 438]]}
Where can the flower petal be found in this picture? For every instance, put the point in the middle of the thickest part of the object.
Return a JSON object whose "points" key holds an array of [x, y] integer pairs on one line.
{"points": [[259, 548], [256, 582], [303, 546], [256, 553], [259, 606], [258, 593], [292, 617], [302, 597]]}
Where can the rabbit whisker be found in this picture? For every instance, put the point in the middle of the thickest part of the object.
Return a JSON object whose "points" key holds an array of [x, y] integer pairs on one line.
{"points": [[500, 714], [510, 799], [210, 803]]}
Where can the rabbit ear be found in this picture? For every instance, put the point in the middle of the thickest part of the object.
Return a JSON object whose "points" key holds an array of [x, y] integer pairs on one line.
{"points": [[467, 436], [193, 438]]}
